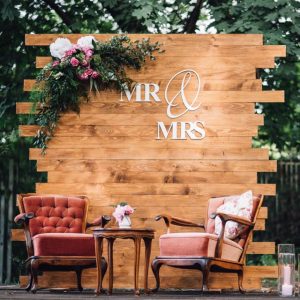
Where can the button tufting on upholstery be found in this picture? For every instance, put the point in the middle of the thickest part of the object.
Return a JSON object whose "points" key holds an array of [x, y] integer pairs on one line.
{"points": [[55, 214]]}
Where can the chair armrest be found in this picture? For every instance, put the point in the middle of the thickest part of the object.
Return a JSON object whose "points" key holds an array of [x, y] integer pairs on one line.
{"points": [[224, 219], [20, 219], [227, 217], [177, 221], [23, 219], [100, 222]]}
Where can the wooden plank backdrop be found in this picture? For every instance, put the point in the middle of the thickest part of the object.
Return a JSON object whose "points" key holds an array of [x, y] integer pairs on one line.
{"points": [[110, 151]]}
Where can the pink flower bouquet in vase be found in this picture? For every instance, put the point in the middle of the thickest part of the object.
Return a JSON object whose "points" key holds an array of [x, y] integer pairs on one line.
{"points": [[122, 213]]}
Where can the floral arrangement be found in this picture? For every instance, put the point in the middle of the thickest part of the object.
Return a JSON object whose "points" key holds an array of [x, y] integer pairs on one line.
{"points": [[76, 69], [122, 210]]}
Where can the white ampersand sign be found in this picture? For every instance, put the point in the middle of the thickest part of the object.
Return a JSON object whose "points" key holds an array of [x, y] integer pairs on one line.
{"points": [[189, 105]]}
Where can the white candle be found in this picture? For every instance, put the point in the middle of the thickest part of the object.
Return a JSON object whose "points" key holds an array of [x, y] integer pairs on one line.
{"points": [[287, 274], [287, 290]]}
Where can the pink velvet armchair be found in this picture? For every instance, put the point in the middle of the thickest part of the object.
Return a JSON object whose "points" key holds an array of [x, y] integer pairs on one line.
{"points": [[54, 228], [207, 251]]}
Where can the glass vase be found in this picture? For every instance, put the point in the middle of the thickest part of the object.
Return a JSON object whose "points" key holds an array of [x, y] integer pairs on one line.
{"points": [[125, 223], [286, 248], [286, 274]]}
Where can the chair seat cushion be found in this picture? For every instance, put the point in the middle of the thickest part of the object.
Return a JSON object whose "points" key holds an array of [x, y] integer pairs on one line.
{"points": [[197, 244], [64, 244]]}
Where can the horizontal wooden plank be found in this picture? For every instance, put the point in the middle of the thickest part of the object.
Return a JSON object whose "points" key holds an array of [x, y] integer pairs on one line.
{"points": [[220, 69], [147, 142], [253, 248], [204, 39], [134, 131], [206, 85], [199, 47], [261, 248], [149, 153], [155, 165], [160, 202], [152, 177], [150, 223], [190, 62], [156, 188], [139, 220], [93, 107], [151, 119], [170, 278], [58, 280], [209, 97], [204, 96], [214, 71], [148, 213], [145, 203], [17, 235]]}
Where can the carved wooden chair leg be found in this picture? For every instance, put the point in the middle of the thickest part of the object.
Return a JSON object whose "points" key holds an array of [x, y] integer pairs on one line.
{"points": [[156, 264], [205, 275], [78, 276], [240, 282], [30, 279], [103, 270], [29, 285], [34, 272]]}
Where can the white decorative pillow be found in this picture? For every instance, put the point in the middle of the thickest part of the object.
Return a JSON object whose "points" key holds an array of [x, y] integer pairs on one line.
{"points": [[241, 207]]}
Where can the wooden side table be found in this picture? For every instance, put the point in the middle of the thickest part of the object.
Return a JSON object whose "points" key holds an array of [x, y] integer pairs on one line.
{"points": [[111, 234]]}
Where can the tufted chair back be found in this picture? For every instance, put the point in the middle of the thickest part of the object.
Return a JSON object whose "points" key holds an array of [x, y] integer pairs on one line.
{"points": [[55, 213]]}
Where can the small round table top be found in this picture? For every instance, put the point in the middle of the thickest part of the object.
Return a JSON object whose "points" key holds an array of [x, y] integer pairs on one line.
{"points": [[120, 232], [123, 229]]}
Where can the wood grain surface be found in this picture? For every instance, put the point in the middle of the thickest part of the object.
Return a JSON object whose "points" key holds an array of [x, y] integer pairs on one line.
{"points": [[110, 151]]}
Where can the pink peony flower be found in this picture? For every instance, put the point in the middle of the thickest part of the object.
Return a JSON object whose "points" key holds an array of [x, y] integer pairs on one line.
{"points": [[88, 53], [70, 52], [95, 75], [55, 63], [89, 71], [83, 76], [128, 210], [74, 62]]}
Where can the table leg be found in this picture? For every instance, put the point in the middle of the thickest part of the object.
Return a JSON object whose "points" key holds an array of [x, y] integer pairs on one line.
{"points": [[147, 242], [110, 265], [98, 250], [137, 243]]}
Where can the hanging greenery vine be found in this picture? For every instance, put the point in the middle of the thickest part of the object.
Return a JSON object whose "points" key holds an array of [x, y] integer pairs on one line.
{"points": [[76, 69]]}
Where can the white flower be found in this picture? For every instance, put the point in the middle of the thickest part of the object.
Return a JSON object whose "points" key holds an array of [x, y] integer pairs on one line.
{"points": [[59, 47], [3, 140], [86, 41], [58, 75]]}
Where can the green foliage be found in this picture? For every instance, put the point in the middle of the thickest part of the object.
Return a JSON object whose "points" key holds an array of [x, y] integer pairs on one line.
{"points": [[123, 203], [262, 260], [62, 86]]}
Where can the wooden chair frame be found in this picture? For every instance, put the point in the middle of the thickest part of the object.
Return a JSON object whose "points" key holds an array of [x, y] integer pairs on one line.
{"points": [[36, 264], [208, 264]]}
